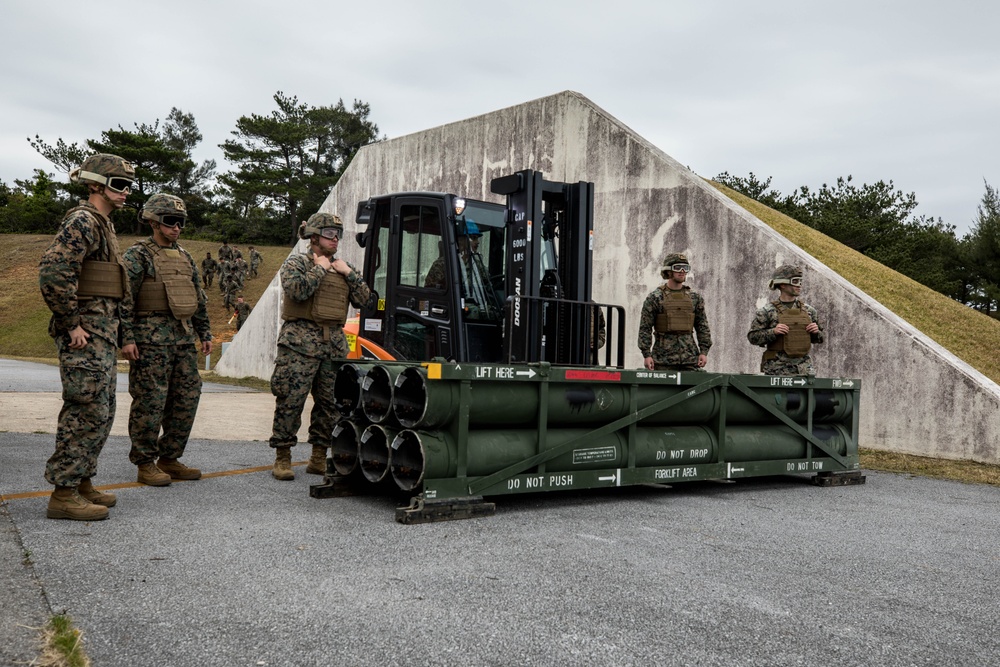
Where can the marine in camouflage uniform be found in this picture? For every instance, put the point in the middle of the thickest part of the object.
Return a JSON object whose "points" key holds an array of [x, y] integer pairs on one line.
{"points": [[169, 326], [225, 252], [230, 288], [255, 259], [674, 314], [788, 327], [243, 310], [208, 269], [82, 280], [311, 338]]}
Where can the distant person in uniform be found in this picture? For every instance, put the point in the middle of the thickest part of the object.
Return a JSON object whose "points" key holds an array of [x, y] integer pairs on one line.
{"points": [[208, 268], [225, 252], [316, 289], [163, 337], [243, 310], [787, 327], [83, 281], [674, 315], [255, 261]]}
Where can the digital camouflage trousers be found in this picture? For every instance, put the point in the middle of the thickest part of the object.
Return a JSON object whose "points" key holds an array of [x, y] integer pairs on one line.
{"points": [[165, 389], [295, 377], [88, 378]]}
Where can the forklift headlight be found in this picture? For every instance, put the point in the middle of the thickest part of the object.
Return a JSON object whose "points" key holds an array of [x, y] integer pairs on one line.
{"points": [[459, 205]]}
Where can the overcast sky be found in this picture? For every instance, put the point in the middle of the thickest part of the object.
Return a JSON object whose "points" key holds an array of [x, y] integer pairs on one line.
{"points": [[800, 91]]}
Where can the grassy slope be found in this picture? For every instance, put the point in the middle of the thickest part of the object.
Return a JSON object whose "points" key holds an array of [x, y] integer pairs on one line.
{"points": [[968, 334], [24, 316]]}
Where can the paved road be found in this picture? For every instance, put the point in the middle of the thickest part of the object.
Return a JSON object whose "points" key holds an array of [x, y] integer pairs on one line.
{"points": [[240, 569]]}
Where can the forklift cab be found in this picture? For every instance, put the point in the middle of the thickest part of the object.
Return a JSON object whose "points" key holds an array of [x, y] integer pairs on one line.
{"points": [[437, 264]]}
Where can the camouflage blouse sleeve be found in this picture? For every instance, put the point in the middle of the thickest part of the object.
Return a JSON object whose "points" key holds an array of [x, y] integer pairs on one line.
{"points": [[701, 327], [761, 329], [646, 321], [300, 278], [59, 270], [138, 265], [360, 293]]}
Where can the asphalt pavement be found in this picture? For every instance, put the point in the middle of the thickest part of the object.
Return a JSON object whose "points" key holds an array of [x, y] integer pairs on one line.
{"points": [[241, 569]]}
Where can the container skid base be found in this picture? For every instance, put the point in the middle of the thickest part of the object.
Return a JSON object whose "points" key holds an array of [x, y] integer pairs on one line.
{"points": [[452, 434]]}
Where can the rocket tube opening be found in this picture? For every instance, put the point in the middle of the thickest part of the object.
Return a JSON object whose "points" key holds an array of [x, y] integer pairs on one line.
{"points": [[410, 397], [373, 453], [376, 394], [347, 389], [344, 448], [407, 461]]}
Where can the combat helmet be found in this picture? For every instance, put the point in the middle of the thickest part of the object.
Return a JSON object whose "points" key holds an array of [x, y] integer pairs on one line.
{"points": [[317, 222], [783, 275], [114, 172], [670, 260], [162, 205]]}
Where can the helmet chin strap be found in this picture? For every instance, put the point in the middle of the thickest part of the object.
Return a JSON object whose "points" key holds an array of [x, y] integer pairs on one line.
{"points": [[111, 202]]}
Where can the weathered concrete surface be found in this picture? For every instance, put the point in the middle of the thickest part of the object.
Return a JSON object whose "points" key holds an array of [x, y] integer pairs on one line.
{"points": [[917, 397]]}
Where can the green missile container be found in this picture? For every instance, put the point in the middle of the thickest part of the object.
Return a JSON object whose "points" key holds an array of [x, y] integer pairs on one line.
{"points": [[427, 404]]}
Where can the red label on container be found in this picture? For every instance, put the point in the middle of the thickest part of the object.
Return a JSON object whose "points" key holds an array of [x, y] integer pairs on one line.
{"points": [[607, 376]]}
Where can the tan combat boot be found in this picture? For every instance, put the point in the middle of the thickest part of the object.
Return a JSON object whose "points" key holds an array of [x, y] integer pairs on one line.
{"points": [[176, 469], [94, 496], [283, 463], [150, 475], [66, 503], [317, 462]]}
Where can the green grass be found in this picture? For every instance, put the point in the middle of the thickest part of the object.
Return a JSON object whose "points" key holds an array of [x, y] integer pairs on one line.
{"points": [[62, 644]]}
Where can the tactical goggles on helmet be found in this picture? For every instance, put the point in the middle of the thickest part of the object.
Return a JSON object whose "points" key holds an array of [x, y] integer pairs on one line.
{"points": [[796, 281], [331, 233], [117, 184], [173, 221], [686, 268]]}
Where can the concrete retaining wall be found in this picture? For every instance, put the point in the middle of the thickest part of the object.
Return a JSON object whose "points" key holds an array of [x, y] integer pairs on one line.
{"points": [[917, 397]]}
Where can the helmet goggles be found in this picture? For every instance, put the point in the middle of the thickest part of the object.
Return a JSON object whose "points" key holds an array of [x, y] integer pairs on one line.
{"points": [[172, 221], [331, 233], [117, 184]]}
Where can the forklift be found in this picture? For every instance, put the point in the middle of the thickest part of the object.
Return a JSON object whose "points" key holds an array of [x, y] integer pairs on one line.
{"points": [[473, 281]]}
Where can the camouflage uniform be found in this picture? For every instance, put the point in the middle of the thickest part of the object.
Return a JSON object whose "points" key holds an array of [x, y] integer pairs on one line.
{"points": [[776, 362], [225, 269], [243, 310], [435, 275], [673, 351], [240, 273], [304, 362], [255, 259], [229, 290], [164, 382], [225, 253], [89, 374], [208, 268]]}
